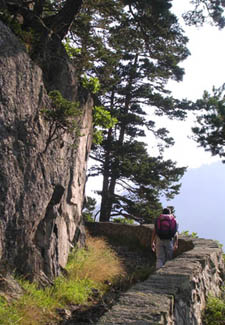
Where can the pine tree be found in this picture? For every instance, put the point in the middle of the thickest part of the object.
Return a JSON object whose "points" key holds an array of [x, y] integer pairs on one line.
{"points": [[210, 132], [149, 56], [206, 11]]}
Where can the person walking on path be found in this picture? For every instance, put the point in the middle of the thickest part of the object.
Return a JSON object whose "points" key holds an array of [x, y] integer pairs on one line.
{"points": [[164, 239]]}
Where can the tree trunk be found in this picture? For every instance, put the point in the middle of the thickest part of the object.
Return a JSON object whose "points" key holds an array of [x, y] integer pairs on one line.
{"points": [[105, 211], [108, 192], [48, 31], [104, 216]]}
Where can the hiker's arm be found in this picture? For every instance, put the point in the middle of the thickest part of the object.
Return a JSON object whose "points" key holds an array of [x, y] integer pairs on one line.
{"points": [[175, 244], [153, 240]]}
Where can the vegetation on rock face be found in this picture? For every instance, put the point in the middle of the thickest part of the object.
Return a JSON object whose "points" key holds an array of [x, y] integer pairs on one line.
{"points": [[214, 314], [62, 117], [186, 233]]}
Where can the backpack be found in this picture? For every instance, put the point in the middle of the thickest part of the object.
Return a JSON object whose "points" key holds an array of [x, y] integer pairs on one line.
{"points": [[166, 226]]}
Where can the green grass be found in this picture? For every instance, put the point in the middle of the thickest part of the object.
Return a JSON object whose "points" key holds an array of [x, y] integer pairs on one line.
{"points": [[87, 269], [72, 291]]}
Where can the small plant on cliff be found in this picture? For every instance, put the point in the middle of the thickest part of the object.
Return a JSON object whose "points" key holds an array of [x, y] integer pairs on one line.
{"points": [[62, 117], [186, 233]]}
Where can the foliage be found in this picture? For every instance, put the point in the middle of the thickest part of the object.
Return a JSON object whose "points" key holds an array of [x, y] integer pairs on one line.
{"points": [[39, 306], [214, 314], [28, 36], [98, 262], [210, 132], [62, 117], [206, 11], [102, 120], [123, 220], [63, 112], [91, 83], [219, 244], [88, 209], [186, 233], [142, 179], [70, 50]]}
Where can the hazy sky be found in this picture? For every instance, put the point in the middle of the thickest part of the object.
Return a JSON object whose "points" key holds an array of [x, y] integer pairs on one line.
{"points": [[204, 68]]}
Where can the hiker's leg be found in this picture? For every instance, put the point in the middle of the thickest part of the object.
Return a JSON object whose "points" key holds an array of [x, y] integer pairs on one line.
{"points": [[160, 254], [169, 249]]}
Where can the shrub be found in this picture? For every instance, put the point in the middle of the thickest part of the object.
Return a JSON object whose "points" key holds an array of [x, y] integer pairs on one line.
{"points": [[62, 116], [186, 233], [214, 313], [123, 220]]}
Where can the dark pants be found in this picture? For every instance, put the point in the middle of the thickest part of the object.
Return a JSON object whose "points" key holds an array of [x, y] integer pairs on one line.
{"points": [[164, 251]]}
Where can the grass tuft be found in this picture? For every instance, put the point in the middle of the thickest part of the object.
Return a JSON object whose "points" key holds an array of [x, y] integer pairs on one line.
{"points": [[98, 262]]}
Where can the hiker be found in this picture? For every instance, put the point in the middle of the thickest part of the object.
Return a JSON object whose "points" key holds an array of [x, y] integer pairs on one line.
{"points": [[165, 237]]}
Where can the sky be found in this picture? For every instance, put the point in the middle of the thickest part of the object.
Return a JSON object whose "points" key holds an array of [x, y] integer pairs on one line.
{"points": [[199, 207], [204, 68], [199, 204]]}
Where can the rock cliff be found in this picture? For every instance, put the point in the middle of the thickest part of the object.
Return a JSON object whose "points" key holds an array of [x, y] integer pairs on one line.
{"points": [[41, 191]]}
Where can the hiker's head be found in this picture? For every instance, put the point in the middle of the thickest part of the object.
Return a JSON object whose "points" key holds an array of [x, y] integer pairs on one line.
{"points": [[166, 211]]}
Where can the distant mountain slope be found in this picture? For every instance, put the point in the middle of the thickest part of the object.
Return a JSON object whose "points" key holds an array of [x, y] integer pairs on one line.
{"points": [[200, 206]]}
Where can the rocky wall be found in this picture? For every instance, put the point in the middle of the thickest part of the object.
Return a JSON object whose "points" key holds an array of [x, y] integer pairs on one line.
{"points": [[175, 294], [41, 187]]}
